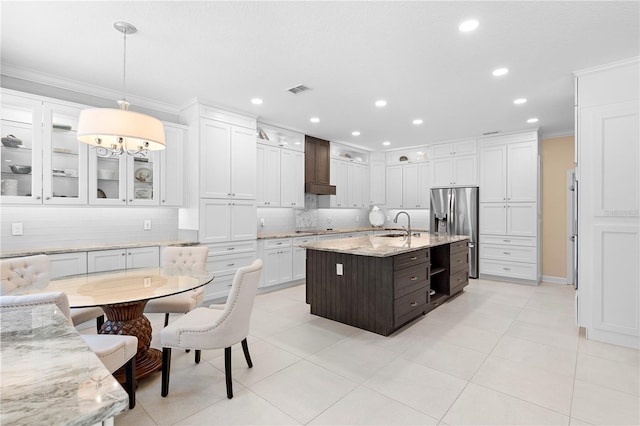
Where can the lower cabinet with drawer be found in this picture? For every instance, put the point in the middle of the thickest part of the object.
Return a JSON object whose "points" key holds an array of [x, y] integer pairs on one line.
{"points": [[113, 260], [224, 260], [509, 257]]}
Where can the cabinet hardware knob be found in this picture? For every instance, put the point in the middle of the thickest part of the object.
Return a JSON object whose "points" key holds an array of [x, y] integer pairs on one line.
{"points": [[124, 201], [129, 254], [507, 269], [230, 248], [414, 278], [228, 193], [130, 200], [234, 194], [414, 304], [38, 197], [122, 254], [505, 252], [163, 201], [47, 198], [230, 264], [414, 258]]}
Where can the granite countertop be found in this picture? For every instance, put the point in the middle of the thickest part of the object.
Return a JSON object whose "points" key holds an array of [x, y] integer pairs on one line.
{"points": [[114, 246], [305, 232], [380, 246], [49, 375]]}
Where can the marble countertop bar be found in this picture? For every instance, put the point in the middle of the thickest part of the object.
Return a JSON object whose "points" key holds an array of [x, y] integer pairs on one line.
{"points": [[58, 250], [306, 232], [48, 373], [380, 246]]}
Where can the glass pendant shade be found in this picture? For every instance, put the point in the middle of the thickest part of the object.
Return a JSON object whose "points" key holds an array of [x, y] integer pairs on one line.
{"points": [[119, 129]]}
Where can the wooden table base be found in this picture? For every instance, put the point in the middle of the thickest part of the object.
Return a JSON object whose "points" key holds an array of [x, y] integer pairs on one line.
{"points": [[128, 318]]}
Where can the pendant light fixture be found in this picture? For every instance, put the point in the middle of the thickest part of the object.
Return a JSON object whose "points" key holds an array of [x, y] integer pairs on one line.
{"points": [[118, 131]]}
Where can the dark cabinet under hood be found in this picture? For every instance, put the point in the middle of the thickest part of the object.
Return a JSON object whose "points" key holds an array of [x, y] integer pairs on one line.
{"points": [[317, 153]]}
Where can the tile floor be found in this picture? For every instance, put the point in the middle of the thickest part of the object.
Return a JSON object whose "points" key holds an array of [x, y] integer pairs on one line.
{"points": [[499, 354]]}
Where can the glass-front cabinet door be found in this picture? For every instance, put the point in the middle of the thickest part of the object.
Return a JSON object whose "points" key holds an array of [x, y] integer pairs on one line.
{"points": [[107, 178], [20, 153], [143, 187], [64, 157]]}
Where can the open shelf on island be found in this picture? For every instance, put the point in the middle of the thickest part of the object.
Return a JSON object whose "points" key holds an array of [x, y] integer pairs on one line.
{"points": [[437, 271]]}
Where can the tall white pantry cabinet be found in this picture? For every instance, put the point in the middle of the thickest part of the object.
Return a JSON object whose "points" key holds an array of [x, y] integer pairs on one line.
{"points": [[510, 214], [220, 201], [608, 173]]}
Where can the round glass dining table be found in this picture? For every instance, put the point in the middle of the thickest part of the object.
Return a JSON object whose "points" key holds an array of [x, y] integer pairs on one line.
{"points": [[123, 296]]}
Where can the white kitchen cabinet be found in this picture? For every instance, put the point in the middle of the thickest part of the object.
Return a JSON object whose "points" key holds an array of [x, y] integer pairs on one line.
{"points": [[299, 271], [452, 149], [172, 166], [377, 180], [278, 261], [118, 259], [508, 172], [291, 178], [394, 187], [223, 261], [516, 219], [608, 174], [227, 161], [352, 185], [268, 175], [410, 190], [408, 185], [66, 264], [227, 220], [458, 170], [339, 178]]}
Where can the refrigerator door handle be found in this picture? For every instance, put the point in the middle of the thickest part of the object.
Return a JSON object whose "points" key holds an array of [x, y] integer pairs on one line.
{"points": [[452, 211]]}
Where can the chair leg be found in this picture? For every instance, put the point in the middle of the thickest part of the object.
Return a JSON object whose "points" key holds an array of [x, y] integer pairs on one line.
{"points": [[198, 352], [130, 375], [166, 319], [166, 366], [227, 371], [245, 349], [99, 322]]}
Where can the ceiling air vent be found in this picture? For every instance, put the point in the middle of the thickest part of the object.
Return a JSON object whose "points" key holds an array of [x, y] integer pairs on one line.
{"points": [[298, 89], [491, 133]]}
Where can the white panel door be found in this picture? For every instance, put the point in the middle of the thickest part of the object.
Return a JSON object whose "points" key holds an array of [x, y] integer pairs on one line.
{"points": [[465, 170], [243, 220], [424, 185], [522, 219], [493, 218], [106, 260], [410, 187], [465, 147], [65, 264], [493, 174], [442, 172], [377, 173], [394, 187], [243, 163], [215, 155], [268, 175], [522, 172], [143, 257], [172, 167], [339, 178], [215, 221], [442, 150]]}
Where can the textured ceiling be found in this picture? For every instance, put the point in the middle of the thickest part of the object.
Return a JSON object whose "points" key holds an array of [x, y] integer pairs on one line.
{"points": [[349, 53]]}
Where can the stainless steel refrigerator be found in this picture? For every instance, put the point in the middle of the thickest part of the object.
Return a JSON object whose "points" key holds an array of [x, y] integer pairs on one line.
{"points": [[454, 211]]}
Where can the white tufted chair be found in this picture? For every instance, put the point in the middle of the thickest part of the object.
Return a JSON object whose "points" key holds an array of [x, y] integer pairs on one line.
{"points": [[113, 350], [177, 260], [35, 271], [216, 326]]}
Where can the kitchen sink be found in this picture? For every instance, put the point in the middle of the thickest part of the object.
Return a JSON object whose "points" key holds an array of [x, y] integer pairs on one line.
{"points": [[392, 235]]}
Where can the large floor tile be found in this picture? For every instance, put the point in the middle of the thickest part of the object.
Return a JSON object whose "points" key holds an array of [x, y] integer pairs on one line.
{"points": [[546, 357], [265, 323], [601, 406], [563, 337], [548, 319], [367, 407], [611, 352], [425, 389], [136, 417], [303, 390], [446, 357], [609, 374], [478, 405], [307, 338], [245, 408], [481, 320], [525, 382], [267, 360], [471, 338]]}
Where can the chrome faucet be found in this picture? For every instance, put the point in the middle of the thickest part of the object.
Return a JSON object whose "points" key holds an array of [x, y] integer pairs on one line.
{"points": [[408, 228]]}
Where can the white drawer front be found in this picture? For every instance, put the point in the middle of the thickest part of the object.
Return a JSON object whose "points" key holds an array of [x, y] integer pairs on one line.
{"points": [[232, 247], [506, 252], [227, 265], [277, 243], [508, 240], [525, 271], [328, 237], [303, 240], [217, 288]]}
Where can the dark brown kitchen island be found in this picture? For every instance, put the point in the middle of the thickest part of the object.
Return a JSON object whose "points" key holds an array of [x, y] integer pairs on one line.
{"points": [[380, 283]]}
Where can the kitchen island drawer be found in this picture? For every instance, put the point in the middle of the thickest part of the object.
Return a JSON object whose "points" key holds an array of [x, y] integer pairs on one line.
{"points": [[410, 306], [458, 247], [458, 281], [408, 259], [458, 262], [408, 280]]}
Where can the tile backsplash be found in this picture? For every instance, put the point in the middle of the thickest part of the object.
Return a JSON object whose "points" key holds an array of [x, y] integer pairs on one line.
{"points": [[52, 227]]}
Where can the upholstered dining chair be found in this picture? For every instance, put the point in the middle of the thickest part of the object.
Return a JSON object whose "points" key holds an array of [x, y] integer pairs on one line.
{"points": [[215, 327], [35, 270], [113, 350], [178, 260]]}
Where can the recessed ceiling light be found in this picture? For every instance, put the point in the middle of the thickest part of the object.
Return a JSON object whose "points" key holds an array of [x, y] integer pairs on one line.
{"points": [[297, 143], [417, 121], [520, 101], [381, 103], [314, 120], [532, 120], [469, 25], [256, 101], [356, 133], [386, 143], [500, 71]]}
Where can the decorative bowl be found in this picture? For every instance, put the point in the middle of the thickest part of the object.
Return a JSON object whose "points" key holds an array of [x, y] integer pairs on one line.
{"points": [[20, 169], [11, 141]]}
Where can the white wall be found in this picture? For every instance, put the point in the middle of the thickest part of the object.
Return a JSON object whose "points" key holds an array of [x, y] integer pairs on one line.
{"points": [[51, 227]]}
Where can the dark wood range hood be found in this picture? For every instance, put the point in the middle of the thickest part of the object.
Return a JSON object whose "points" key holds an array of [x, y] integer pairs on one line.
{"points": [[316, 166]]}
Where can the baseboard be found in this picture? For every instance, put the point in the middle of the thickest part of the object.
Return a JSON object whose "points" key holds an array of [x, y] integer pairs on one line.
{"points": [[554, 280], [508, 279]]}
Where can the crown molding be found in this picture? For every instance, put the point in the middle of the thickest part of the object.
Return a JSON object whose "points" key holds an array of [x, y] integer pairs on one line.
{"points": [[629, 61], [84, 88]]}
